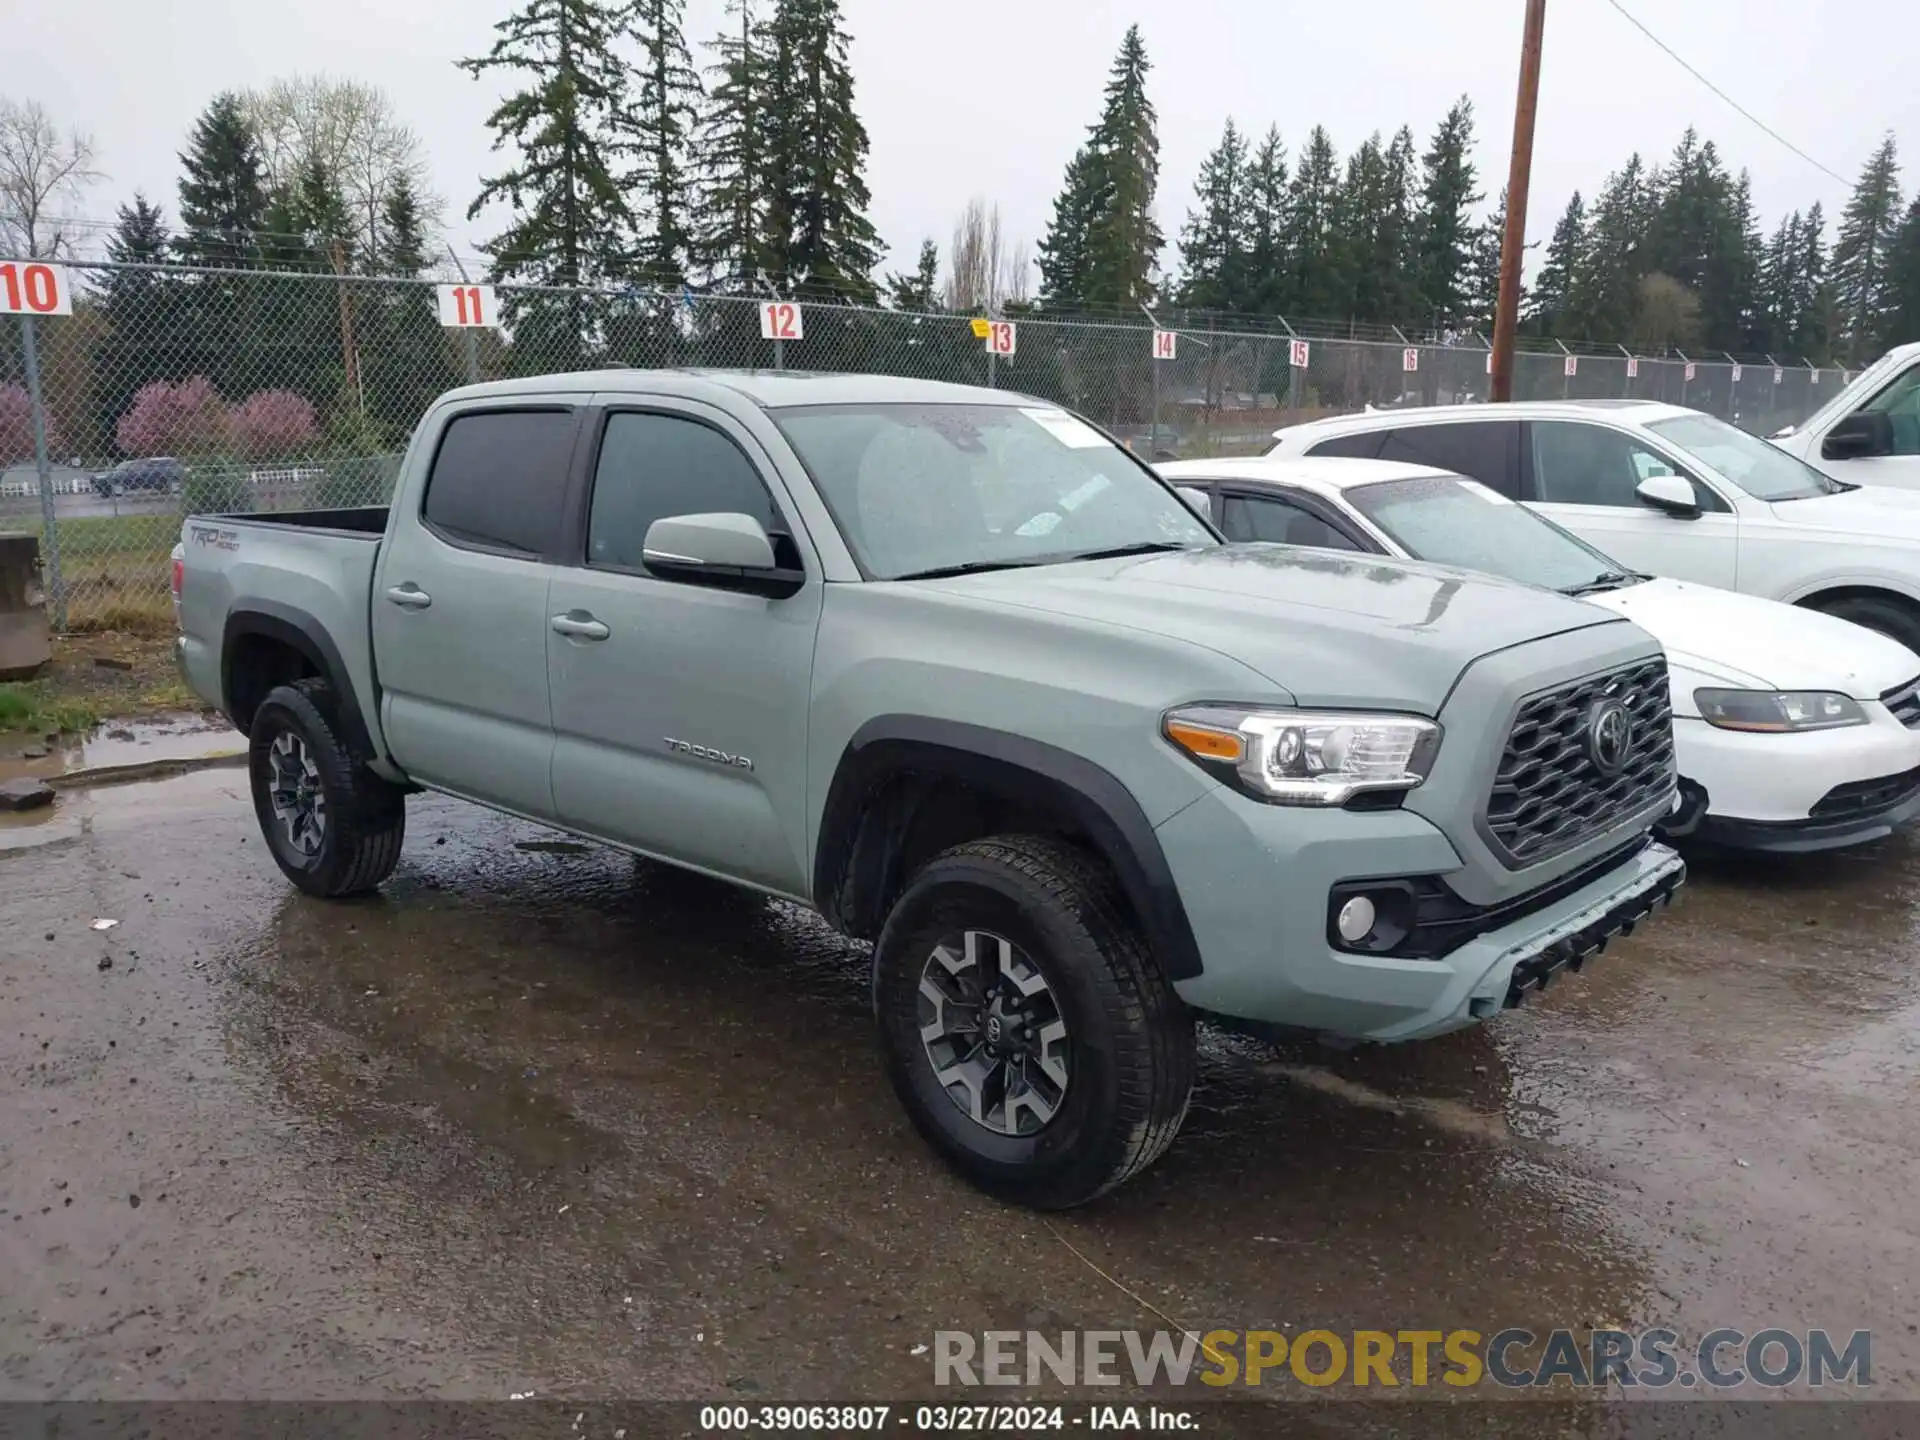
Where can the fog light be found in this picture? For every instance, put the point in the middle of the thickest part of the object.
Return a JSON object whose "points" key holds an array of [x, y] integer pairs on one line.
{"points": [[1355, 921]]}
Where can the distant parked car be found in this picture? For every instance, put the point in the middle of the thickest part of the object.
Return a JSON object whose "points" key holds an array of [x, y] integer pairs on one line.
{"points": [[157, 472]]}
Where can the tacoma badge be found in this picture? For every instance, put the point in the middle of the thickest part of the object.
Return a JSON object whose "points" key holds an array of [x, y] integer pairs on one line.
{"points": [[701, 752]]}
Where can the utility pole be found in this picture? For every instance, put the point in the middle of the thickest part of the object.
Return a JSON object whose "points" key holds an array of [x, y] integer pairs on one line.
{"points": [[1506, 316]]}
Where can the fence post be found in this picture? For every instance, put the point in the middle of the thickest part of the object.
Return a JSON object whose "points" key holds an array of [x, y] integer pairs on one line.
{"points": [[466, 331], [49, 524]]}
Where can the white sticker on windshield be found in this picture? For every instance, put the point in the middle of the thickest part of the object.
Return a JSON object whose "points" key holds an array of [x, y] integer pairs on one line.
{"points": [[1075, 434], [1080, 494], [1492, 497]]}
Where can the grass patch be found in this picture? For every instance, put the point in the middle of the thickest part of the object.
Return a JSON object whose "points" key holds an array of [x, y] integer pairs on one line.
{"points": [[35, 709]]}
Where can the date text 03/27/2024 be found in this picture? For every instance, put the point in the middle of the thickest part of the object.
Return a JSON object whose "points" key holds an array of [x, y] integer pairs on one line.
{"points": [[977, 1419]]}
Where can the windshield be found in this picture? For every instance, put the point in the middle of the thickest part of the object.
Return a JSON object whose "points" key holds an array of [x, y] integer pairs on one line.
{"points": [[939, 488], [1757, 466], [1464, 524]]}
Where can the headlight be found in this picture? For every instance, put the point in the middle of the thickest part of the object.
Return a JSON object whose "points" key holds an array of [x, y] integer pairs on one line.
{"points": [[1306, 757], [1776, 712]]}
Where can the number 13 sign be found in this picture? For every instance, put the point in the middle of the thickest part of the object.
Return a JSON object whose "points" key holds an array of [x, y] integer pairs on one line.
{"points": [[466, 307]]}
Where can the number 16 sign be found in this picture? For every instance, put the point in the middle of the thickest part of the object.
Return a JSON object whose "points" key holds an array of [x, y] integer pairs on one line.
{"points": [[467, 307]]}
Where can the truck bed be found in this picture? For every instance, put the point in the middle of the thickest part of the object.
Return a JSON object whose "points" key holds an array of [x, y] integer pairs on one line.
{"points": [[366, 521]]}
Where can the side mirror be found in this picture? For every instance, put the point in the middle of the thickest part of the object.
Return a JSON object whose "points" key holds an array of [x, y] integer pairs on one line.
{"points": [[1670, 494], [1197, 500], [730, 551], [1863, 435]]}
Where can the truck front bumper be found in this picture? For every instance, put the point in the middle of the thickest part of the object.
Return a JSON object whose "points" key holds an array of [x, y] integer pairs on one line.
{"points": [[1256, 881]]}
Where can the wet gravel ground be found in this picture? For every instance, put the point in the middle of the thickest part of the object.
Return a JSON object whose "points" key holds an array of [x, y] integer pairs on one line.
{"points": [[545, 1119]]}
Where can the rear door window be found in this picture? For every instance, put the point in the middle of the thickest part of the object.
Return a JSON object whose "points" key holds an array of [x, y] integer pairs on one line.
{"points": [[499, 480], [1483, 450]]}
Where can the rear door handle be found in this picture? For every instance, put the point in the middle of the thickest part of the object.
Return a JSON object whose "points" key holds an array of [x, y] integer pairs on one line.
{"points": [[578, 625], [409, 596]]}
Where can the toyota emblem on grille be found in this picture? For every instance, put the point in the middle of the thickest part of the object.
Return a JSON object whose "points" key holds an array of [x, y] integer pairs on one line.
{"points": [[1609, 736]]}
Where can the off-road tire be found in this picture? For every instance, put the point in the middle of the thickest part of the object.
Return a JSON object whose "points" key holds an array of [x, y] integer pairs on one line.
{"points": [[366, 817], [1890, 618], [1131, 1038]]}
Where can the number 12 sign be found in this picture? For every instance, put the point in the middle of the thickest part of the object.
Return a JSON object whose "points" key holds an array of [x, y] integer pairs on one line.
{"points": [[467, 307], [780, 320], [28, 287]]}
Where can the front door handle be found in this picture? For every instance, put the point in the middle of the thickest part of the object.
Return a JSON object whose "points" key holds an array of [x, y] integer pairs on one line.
{"points": [[409, 596], [578, 625]]}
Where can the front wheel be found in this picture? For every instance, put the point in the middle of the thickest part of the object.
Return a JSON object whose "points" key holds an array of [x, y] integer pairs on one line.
{"points": [[1891, 618], [1026, 1025], [333, 827]]}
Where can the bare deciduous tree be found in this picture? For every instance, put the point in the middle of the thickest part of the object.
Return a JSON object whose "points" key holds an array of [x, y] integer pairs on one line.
{"points": [[354, 131], [40, 172], [986, 274]]}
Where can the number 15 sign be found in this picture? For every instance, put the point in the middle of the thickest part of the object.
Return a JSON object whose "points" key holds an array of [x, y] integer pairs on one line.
{"points": [[466, 307]]}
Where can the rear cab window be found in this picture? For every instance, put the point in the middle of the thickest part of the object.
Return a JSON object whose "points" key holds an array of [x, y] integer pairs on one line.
{"points": [[1483, 450], [499, 480]]}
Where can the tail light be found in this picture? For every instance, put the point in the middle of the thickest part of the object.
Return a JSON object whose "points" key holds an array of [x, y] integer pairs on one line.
{"points": [[179, 574]]}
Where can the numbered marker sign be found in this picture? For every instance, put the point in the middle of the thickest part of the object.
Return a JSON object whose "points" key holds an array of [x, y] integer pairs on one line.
{"points": [[1409, 360], [31, 287], [1736, 374], [780, 320], [1166, 345], [1633, 367], [1572, 367], [467, 306], [1297, 354], [1000, 337], [1691, 368], [1489, 362], [1815, 379], [1779, 375]]}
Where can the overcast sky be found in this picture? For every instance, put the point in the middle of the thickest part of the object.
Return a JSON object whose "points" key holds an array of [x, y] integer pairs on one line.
{"points": [[990, 97]]}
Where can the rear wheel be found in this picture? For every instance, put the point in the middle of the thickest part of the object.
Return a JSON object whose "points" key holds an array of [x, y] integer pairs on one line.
{"points": [[1026, 1024], [334, 828], [1895, 619]]}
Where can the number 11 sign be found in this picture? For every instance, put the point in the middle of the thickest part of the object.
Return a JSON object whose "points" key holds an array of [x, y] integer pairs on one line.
{"points": [[466, 307]]}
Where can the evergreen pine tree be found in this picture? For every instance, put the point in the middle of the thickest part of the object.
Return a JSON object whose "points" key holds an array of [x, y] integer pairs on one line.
{"points": [[570, 218], [1816, 301], [1778, 286], [1396, 237], [1483, 271], [1312, 208], [1213, 244], [657, 130], [1065, 256], [1447, 199], [1124, 239], [919, 291], [403, 243], [223, 198], [1565, 257], [817, 230], [1269, 278], [1603, 300], [1903, 280], [731, 149], [1860, 252], [145, 316]]}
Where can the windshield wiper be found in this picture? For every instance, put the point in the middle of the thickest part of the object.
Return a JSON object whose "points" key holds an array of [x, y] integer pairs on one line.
{"points": [[1139, 547], [1612, 580], [970, 567]]}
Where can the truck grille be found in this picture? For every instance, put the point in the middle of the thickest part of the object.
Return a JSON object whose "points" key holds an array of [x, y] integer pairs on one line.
{"points": [[1559, 785], [1904, 702]]}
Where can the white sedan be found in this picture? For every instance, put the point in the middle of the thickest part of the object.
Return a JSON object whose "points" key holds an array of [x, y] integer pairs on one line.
{"points": [[1795, 731]]}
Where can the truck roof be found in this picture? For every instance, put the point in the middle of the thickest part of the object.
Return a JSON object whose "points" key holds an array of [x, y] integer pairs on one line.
{"points": [[769, 389]]}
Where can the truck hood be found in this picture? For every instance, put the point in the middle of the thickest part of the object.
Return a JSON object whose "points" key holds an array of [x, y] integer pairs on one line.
{"points": [[1745, 641], [1877, 513], [1328, 629]]}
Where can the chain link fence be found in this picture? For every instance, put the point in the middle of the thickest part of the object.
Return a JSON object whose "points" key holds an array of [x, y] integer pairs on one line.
{"points": [[171, 390]]}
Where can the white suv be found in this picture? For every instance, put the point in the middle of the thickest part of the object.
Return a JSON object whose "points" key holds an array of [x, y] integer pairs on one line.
{"points": [[1669, 491]]}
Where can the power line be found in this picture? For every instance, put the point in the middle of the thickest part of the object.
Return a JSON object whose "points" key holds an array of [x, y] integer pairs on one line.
{"points": [[1675, 57]]}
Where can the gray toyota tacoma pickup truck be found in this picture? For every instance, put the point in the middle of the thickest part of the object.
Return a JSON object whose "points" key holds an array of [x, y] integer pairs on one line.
{"points": [[953, 667]]}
